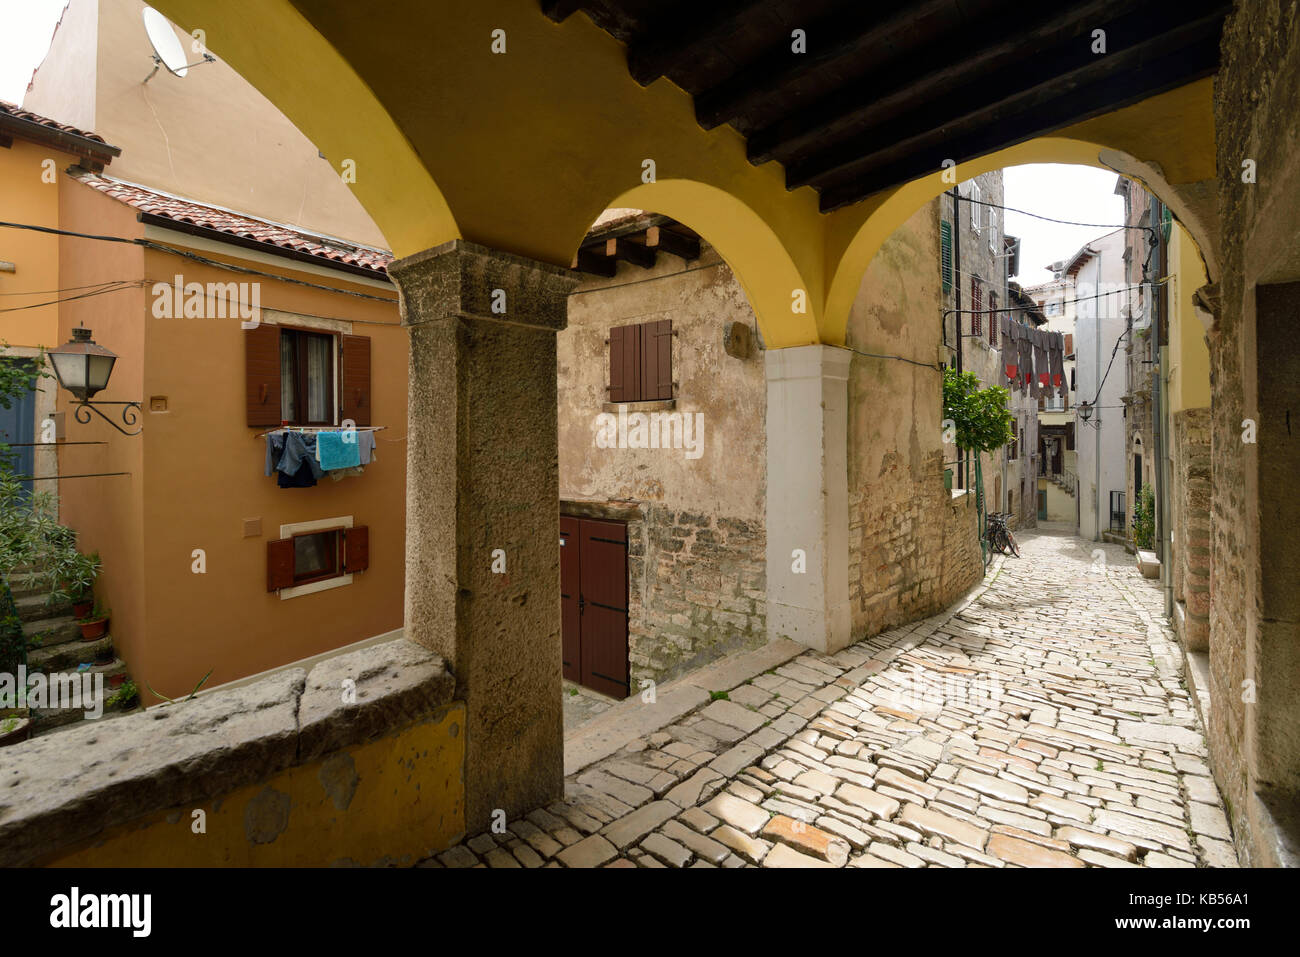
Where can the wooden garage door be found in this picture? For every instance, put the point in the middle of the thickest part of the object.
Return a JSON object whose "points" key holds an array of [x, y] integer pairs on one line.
{"points": [[593, 589]]}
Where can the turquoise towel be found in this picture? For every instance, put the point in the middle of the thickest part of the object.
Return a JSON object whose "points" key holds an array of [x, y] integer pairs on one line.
{"points": [[335, 453]]}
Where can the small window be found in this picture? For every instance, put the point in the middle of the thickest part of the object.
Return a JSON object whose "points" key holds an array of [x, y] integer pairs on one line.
{"points": [[641, 362], [976, 215], [993, 318], [306, 377], [315, 556], [976, 306], [993, 231]]}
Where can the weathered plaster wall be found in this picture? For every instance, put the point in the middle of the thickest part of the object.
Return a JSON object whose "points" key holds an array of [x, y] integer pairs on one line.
{"points": [[696, 562], [913, 546], [1190, 515], [1253, 744]]}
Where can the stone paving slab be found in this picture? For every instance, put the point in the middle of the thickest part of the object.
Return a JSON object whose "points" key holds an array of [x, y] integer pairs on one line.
{"points": [[1041, 721]]}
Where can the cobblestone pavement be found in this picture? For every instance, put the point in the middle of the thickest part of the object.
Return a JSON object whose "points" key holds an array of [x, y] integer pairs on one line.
{"points": [[1042, 721], [582, 704]]}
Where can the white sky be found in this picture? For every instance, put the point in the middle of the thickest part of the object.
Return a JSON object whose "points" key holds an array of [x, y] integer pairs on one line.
{"points": [[1079, 193], [26, 27]]}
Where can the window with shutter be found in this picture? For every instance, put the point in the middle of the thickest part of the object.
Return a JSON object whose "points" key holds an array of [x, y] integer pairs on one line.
{"points": [[976, 214], [976, 305], [262, 375], [1069, 436], [945, 254], [1069, 343], [316, 555], [993, 230], [354, 376], [641, 362], [993, 318]]}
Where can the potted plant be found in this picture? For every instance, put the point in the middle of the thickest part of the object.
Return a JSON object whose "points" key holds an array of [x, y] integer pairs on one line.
{"points": [[14, 729], [72, 578], [95, 625], [127, 696]]}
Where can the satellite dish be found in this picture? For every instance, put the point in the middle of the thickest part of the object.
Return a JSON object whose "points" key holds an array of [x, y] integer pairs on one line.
{"points": [[166, 47]]}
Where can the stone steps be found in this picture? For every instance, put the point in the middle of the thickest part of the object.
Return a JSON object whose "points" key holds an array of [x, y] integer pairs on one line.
{"points": [[34, 607], [52, 631], [66, 655]]}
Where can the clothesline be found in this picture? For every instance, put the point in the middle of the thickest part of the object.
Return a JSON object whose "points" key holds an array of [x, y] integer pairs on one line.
{"points": [[320, 428]]}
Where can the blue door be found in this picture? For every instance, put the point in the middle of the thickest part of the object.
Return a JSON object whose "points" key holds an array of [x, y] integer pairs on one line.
{"points": [[18, 424]]}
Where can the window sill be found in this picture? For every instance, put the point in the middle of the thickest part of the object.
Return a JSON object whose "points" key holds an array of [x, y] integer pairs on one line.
{"points": [[311, 588], [652, 405]]}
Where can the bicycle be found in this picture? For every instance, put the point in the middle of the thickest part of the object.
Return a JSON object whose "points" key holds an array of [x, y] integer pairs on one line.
{"points": [[999, 537]]}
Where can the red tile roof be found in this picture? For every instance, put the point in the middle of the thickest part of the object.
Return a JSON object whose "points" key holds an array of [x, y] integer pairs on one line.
{"points": [[241, 225], [19, 113]]}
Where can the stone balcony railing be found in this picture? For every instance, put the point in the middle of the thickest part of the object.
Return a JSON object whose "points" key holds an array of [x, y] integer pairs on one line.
{"points": [[358, 761]]}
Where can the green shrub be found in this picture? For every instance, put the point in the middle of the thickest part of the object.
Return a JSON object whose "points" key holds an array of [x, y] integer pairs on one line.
{"points": [[1144, 518]]}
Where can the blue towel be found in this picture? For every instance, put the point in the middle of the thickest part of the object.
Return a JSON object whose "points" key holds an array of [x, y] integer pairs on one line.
{"points": [[335, 452]]}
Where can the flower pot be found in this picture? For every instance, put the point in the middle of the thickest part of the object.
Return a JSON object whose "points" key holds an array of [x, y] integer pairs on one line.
{"points": [[91, 630], [105, 655], [82, 609], [115, 681], [20, 732]]}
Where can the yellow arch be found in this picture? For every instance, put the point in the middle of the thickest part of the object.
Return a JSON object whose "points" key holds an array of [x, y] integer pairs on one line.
{"points": [[761, 262], [1166, 142], [273, 46]]}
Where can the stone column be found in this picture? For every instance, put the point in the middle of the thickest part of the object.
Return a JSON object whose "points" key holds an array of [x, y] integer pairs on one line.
{"points": [[807, 496], [482, 490]]}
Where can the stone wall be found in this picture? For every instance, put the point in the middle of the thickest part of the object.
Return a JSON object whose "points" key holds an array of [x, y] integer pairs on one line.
{"points": [[696, 525], [913, 546], [1190, 515], [288, 771], [1256, 97]]}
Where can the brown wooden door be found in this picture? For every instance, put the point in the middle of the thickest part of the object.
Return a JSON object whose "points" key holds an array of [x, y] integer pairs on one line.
{"points": [[593, 572], [569, 585]]}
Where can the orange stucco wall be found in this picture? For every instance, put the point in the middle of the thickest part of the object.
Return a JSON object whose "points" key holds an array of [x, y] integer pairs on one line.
{"points": [[26, 198], [197, 472]]}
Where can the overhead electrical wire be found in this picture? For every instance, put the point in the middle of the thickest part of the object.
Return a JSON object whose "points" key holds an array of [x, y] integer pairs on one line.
{"points": [[159, 247]]}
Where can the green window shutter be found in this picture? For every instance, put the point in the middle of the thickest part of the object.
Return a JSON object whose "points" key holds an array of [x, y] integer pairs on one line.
{"points": [[945, 253]]}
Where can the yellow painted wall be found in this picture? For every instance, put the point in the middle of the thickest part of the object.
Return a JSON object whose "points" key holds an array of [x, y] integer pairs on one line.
{"points": [[521, 151], [26, 198], [1189, 356], [197, 474], [409, 802]]}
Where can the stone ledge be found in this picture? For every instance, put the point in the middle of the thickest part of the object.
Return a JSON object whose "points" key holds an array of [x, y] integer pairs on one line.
{"points": [[67, 787]]}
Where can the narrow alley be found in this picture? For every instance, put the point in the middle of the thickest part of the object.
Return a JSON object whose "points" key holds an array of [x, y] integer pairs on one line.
{"points": [[1041, 721]]}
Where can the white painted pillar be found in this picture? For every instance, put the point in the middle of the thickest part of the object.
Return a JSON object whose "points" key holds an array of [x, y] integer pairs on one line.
{"points": [[808, 496]]}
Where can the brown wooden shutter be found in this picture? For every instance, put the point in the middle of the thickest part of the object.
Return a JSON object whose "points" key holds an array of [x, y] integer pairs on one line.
{"points": [[1069, 343], [356, 549], [657, 359], [1042, 401], [279, 564], [624, 363], [1069, 436], [262, 374], [354, 391]]}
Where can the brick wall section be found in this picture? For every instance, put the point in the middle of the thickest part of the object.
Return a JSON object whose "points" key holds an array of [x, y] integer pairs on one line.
{"points": [[697, 591], [913, 549], [1191, 515]]}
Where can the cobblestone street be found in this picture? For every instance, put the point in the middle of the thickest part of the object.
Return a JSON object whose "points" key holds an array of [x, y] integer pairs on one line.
{"points": [[1042, 721]]}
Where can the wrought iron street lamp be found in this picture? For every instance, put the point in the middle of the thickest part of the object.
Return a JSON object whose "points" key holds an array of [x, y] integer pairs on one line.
{"points": [[83, 367]]}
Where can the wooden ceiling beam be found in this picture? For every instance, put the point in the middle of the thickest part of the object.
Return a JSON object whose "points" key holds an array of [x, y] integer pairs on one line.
{"points": [[630, 252], [686, 248], [1175, 69], [854, 35], [682, 41], [589, 260], [958, 64], [995, 103]]}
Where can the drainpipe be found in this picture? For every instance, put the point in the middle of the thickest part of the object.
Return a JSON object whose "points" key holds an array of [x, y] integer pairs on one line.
{"points": [[956, 286], [1096, 373]]}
